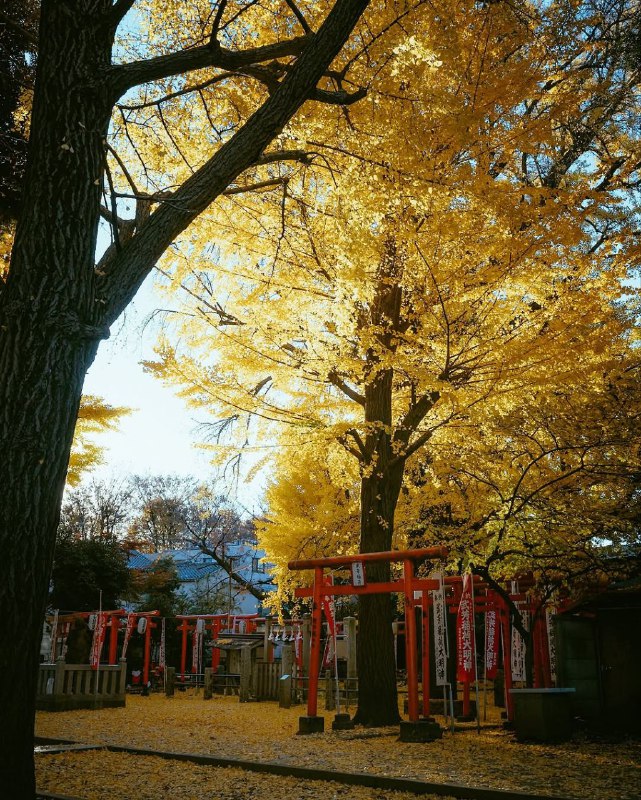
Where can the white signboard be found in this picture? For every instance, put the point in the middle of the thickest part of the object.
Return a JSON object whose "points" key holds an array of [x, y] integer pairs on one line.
{"points": [[439, 613], [517, 658], [549, 624], [358, 574]]}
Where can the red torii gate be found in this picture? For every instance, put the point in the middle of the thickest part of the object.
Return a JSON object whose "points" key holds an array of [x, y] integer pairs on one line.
{"points": [[61, 626], [407, 585], [216, 623]]}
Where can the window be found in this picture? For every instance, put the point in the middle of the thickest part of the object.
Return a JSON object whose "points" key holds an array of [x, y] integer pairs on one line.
{"points": [[257, 565]]}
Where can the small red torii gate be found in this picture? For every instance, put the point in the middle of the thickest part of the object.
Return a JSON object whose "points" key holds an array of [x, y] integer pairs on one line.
{"points": [[407, 585]]}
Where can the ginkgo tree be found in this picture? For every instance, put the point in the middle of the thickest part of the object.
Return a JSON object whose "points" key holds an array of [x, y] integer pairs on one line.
{"points": [[57, 303], [379, 294], [94, 417]]}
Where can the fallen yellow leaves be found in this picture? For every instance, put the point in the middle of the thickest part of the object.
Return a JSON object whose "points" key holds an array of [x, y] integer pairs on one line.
{"points": [[100, 775], [264, 732]]}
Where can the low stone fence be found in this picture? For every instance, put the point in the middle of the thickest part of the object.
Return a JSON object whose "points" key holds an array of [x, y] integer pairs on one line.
{"points": [[63, 687]]}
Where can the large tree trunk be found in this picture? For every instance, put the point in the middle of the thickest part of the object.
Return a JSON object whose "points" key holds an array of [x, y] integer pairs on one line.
{"points": [[47, 342], [380, 487]]}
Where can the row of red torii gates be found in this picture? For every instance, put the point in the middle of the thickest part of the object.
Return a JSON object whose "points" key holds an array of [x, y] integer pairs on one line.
{"points": [[416, 591], [113, 622]]}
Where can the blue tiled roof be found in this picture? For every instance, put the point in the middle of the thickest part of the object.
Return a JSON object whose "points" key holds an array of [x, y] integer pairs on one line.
{"points": [[192, 565], [139, 560]]}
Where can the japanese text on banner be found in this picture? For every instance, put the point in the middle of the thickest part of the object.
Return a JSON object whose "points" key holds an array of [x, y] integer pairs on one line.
{"points": [[465, 650], [439, 614]]}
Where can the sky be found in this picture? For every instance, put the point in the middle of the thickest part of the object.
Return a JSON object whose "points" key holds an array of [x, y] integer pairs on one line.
{"points": [[158, 437]]}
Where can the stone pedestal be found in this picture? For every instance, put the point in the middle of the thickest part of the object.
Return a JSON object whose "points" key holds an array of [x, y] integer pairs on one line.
{"points": [[425, 730], [311, 725], [342, 722]]}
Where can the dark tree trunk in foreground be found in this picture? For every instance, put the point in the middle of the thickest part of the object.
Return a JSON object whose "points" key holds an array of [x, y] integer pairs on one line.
{"points": [[55, 306], [46, 345]]}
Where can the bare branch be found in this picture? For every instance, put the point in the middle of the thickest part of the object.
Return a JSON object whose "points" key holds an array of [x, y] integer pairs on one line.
{"points": [[218, 19], [197, 87], [299, 16], [338, 98], [303, 156], [253, 187]]}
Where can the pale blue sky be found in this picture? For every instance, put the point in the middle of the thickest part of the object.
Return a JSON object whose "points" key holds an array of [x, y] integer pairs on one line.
{"points": [[160, 434]]}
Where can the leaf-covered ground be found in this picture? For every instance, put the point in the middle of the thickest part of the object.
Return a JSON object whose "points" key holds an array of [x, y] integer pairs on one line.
{"points": [[263, 732]]}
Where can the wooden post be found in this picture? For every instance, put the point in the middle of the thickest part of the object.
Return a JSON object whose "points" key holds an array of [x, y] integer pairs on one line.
{"points": [[114, 626], [170, 681], [207, 684], [307, 641], [504, 616], [268, 650], [287, 660], [184, 627], [59, 677], [425, 613], [147, 657], [329, 691], [122, 677], [245, 674]]}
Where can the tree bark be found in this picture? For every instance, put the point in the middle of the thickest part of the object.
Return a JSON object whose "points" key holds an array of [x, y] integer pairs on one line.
{"points": [[47, 342], [54, 308], [380, 487]]}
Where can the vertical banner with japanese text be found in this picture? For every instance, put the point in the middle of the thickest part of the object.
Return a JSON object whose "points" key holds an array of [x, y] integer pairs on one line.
{"points": [[129, 629], [327, 602], [491, 641], [549, 626], [163, 638], [97, 641], [439, 615], [518, 651], [465, 654]]}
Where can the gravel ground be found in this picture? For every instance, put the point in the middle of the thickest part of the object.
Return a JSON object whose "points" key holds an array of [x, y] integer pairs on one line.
{"points": [[263, 732]]}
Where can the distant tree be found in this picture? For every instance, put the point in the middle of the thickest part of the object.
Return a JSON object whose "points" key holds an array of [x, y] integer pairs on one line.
{"points": [[209, 595], [157, 588], [84, 568], [161, 499], [18, 37], [100, 510]]}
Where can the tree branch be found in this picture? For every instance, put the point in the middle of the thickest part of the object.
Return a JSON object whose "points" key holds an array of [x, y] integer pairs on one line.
{"points": [[137, 257], [119, 10], [126, 76], [335, 379], [299, 16], [252, 187], [303, 156], [27, 35]]}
